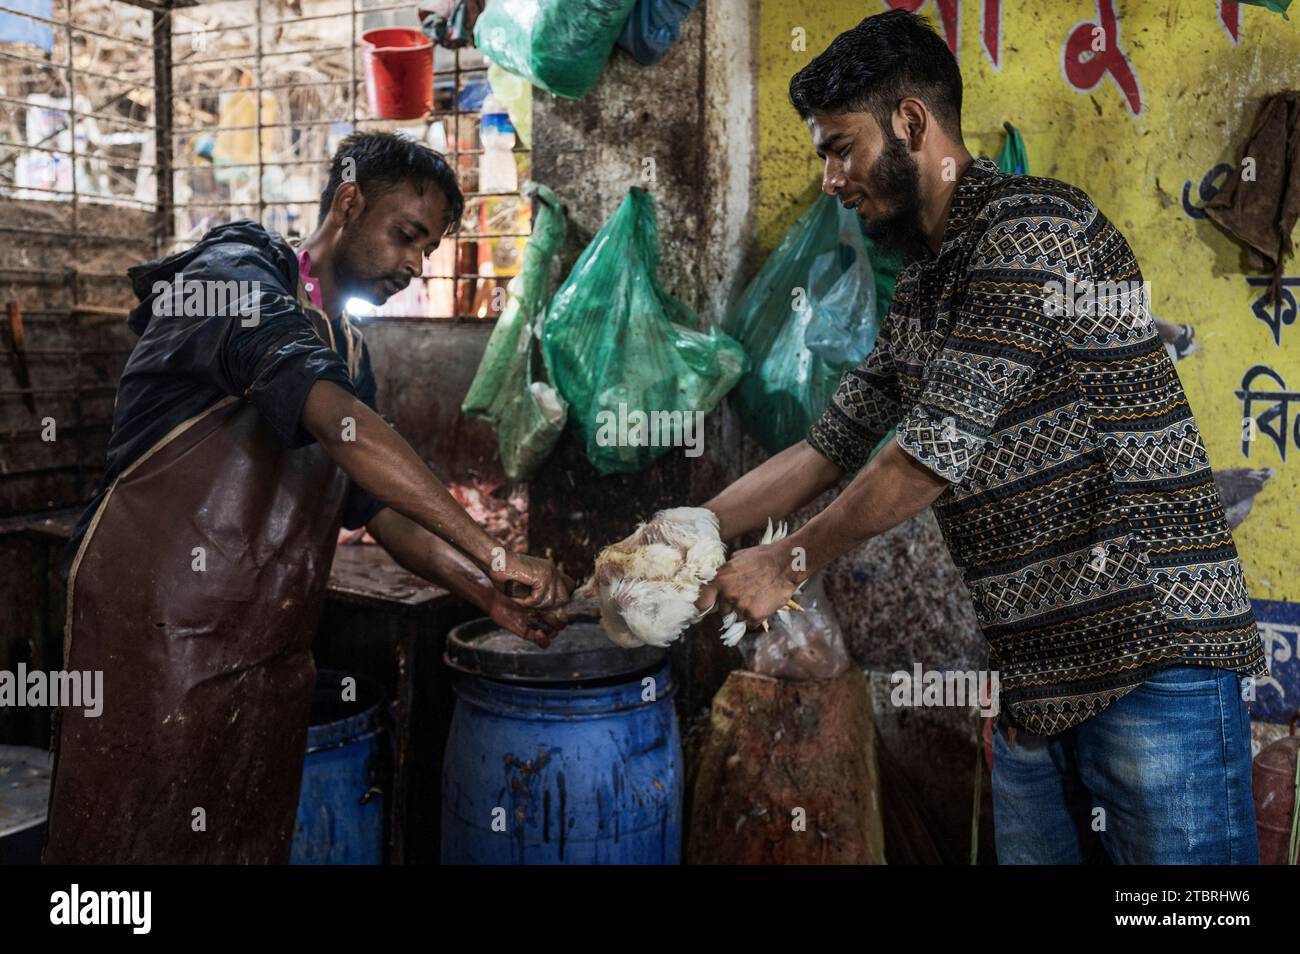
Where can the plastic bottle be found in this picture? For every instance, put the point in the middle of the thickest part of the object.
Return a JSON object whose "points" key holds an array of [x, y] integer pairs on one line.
{"points": [[497, 171]]}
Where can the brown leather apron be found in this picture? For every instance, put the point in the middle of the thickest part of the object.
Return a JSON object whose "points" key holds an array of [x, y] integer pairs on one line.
{"points": [[197, 755]]}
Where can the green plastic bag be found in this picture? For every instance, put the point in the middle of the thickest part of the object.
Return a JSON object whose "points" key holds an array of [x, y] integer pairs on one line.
{"points": [[1013, 158], [1277, 6], [807, 317], [626, 355], [558, 45], [528, 413]]}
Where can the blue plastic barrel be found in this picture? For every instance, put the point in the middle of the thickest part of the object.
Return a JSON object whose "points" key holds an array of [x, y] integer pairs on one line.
{"points": [[341, 805], [562, 771], [24, 796]]}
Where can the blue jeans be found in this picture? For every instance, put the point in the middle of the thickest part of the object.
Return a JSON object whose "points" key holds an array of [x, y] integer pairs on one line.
{"points": [[1161, 776]]}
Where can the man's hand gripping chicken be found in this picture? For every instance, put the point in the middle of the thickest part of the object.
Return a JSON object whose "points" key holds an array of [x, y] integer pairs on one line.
{"points": [[671, 571]]}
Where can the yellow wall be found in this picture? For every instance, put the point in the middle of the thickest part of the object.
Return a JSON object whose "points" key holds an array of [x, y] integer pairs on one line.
{"points": [[1200, 94]]}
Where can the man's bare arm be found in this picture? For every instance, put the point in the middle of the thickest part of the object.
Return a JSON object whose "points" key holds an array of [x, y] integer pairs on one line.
{"points": [[890, 489], [756, 582], [419, 551], [381, 462], [776, 488]]}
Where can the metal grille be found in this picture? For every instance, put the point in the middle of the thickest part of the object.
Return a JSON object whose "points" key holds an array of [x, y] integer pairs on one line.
{"points": [[56, 63], [78, 204], [260, 96]]}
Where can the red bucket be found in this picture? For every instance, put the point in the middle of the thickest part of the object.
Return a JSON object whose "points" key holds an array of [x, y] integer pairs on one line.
{"points": [[399, 73]]}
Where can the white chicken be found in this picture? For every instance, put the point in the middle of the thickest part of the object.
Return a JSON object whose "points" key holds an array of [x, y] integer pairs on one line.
{"points": [[648, 584]]}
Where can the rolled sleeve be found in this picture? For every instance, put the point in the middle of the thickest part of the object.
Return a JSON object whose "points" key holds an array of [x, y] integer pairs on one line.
{"points": [[285, 366], [865, 406], [1002, 334], [262, 347]]}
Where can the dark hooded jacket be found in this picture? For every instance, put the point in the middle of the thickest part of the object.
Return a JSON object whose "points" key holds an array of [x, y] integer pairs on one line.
{"points": [[256, 343]]}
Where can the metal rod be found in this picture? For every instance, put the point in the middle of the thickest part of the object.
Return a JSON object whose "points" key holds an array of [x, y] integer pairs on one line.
{"points": [[251, 165], [164, 214], [80, 29], [46, 65], [59, 109], [51, 276], [191, 130], [315, 84], [425, 319], [294, 20], [352, 64], [72, 118], [108, 199], [466, 275], [306, 51], [295, 162], [108, 36], [109, 160], [64, 233], [257, 83]]}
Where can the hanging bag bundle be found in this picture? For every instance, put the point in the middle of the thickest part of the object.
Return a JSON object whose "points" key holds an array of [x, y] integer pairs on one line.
{"points": [[510, 388], [558, 45], [626, 355], [806, 318]]}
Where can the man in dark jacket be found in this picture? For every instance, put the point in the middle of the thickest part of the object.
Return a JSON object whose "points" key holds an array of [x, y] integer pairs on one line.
{"points": [[245, 432]]}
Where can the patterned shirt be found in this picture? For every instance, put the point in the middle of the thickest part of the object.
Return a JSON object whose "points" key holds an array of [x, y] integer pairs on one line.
{"points": [[1081, 510]]}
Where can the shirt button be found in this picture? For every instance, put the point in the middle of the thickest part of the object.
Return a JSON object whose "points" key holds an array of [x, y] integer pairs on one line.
{"points": [[310, 287]]}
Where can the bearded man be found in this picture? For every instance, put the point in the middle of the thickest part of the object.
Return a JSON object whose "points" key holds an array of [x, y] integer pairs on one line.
{"points": [[1063, 464]]}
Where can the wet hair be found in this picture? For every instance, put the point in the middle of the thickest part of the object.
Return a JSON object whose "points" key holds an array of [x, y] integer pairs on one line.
{"points": [[382, 160], [874, 66]]}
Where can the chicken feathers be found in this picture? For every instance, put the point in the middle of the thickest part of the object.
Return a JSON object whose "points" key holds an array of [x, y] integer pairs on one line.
{"points": [[647, 585]]}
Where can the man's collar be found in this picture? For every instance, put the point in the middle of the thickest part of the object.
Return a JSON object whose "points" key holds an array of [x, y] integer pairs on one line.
{"points": [[968, 198], [308, 281]]}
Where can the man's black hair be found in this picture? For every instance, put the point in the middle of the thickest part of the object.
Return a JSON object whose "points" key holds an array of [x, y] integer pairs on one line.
{"points": [[874, 66], [382, 160]]}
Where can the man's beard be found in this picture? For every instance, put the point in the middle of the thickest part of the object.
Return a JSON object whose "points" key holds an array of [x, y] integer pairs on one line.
{"points": [[895, 176], [352, 271]]}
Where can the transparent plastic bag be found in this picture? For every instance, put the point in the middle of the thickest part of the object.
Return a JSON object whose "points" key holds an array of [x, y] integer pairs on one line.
{"points": [[807, 317], [799, 645], [509, 389], [558, 45], [625, 354]]}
